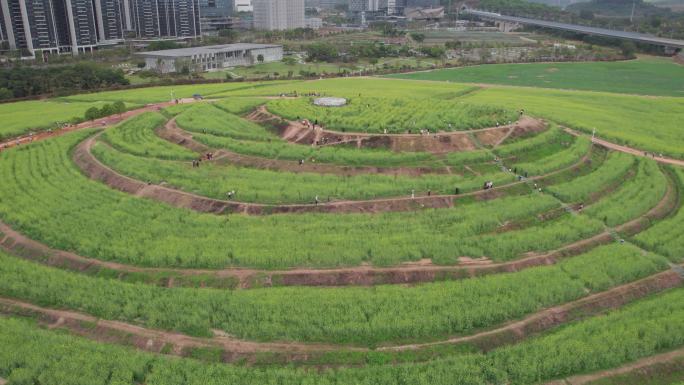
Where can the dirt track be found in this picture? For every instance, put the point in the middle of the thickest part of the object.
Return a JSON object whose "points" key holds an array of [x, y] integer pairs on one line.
{"points": [[94, 169], [440, 143], [155, 340], [236, 349], [571, 311], [102, 122], [629, 150], [175, 134], [641, 365], [18, 244]]}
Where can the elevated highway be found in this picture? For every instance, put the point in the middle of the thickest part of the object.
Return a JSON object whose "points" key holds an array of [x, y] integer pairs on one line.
{"points": [[633, 36]]}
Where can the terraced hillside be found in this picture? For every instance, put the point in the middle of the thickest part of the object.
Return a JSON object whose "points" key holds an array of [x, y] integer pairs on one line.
{"points": [[422, 234]]}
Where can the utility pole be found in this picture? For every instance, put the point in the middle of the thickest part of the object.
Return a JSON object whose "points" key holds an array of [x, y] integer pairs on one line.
{"points": [[631, 18]]}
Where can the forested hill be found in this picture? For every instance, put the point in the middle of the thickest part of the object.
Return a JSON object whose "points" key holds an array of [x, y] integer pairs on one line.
{"points": [[621, 8], [519, 8]]}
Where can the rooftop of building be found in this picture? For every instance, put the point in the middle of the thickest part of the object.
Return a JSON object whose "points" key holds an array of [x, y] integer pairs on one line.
{"points": [[190, 51]]}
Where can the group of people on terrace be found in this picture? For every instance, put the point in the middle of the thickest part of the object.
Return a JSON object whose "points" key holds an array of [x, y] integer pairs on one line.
{"points": [[197, 162]]}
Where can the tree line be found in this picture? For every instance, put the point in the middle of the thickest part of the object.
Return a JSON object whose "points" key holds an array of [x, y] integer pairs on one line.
{"points": [[22, 81]]}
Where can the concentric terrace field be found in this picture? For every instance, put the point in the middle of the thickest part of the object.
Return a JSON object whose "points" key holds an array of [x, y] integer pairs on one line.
{"points": [[425, 233]]}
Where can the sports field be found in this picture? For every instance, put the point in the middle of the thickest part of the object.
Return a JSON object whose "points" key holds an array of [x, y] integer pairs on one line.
{"points": [[424, 233]]}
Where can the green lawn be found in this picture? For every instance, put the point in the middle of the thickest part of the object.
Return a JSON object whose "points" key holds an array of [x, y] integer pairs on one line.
{"points": [[648, 76], [479, 37], [355, 87], [654, 124], [23, 117], [164, 93], [282, 69]]}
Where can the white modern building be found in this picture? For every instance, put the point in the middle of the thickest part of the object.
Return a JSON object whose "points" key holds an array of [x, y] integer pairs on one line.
{"points": [[278, 15], [313, 22], [211, 58]]}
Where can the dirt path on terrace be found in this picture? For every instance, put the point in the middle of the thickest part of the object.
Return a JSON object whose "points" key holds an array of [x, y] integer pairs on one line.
{"points": [[155, 340], [106, 121], [237, 349], [639, 365], [629, 150], [18, 244], [440, 143], [546, 319], [173, 133], [95, 170], [503, 138]]}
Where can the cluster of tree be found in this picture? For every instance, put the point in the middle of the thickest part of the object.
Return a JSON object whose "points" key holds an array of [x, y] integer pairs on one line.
{"points": [[93, 113], [162, 44], [433, 51], [20, 81], [291, 34], [388, 29], [372, 50], [322, 52], [417, 37]]}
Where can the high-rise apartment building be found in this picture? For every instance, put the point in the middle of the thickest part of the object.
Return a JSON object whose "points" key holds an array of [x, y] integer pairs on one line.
{"points": [[145, 18], [166, 18], [3, 32], [111, 19], [215, 8], [364, 5], [384, 7], [278, 14], [80, 25]]}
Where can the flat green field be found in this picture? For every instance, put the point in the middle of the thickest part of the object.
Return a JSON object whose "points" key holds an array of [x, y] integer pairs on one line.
{"points": [[655, 124], [164, 94], [645, 76], [479, 37], [282, 69], [23, 117]]}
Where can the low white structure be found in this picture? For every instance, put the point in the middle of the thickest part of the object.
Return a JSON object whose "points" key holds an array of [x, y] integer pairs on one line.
{"points": [[313, 22], [330, 102], [243, 6], [211, 58]]}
